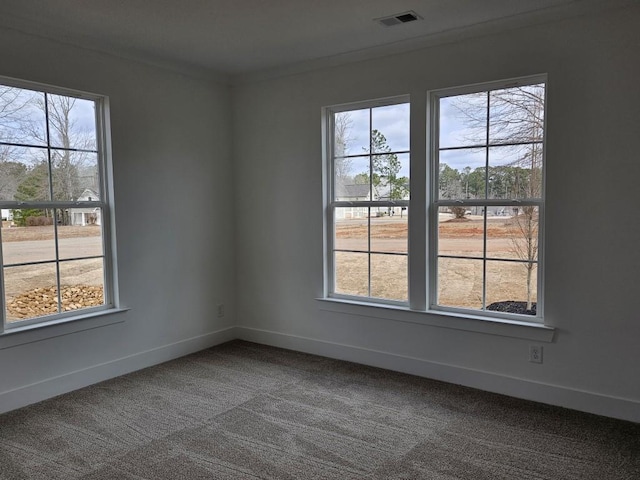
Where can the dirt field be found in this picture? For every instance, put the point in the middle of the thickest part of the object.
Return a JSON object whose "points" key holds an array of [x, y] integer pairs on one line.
{"points": [[460, 280], [31, 290]]}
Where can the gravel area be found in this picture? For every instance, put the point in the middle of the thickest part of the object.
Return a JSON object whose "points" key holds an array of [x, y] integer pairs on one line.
{"points": [[44, 301]]}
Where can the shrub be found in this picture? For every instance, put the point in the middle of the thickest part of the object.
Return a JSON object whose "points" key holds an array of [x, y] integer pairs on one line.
{"points": [[38, 221], [458, 212]]}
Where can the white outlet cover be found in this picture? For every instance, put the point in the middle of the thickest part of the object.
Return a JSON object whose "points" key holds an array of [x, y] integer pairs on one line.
{"points": [[535, 353]]}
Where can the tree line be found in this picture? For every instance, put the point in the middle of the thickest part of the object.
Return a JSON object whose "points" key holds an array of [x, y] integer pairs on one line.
{"points": [[506, 181]]}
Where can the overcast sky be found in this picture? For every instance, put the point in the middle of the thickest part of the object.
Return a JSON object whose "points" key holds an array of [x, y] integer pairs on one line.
{"points": [[82, 115], [393, 122]]}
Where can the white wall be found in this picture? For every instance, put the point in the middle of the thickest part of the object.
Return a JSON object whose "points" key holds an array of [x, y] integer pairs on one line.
{"points": [[592, 230], [173, 196]]}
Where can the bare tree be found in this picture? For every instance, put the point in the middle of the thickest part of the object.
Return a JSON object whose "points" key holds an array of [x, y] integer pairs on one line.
{"points": [[518, 115], [12, 115], [64, 170], [342, 138], [524, 240], [70, 156], [65, 134]]}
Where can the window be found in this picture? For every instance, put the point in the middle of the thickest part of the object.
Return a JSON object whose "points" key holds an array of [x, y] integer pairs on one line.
{"points": [[482, 195], [54, 199], [487, 197], [369, 200]]}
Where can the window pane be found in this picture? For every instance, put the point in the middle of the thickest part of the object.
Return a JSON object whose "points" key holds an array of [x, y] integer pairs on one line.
{"points": [[48, 153], [511, 286], [30, 291], [389, 232], [24, 174], [512, 232], [517, 114], [75, 175], [352, 273], [490, 147], [463, 120], [461, 173], [351, 132], [460, 283], [515, 172], [352, 179], [461, 232], [393, 122], [81, 284], [22, 118], [81, 235], [352, 228], [389, 278], [72, 122], [32, 240]]}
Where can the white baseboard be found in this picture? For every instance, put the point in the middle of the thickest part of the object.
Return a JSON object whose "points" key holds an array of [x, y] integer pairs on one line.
{"points": [[51, 387], [585, 401], [621, 408]]}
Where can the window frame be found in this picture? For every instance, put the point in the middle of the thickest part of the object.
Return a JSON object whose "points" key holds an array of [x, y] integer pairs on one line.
{"points": [[328, 114], [104, 170], [423, 232], [433, 160]]}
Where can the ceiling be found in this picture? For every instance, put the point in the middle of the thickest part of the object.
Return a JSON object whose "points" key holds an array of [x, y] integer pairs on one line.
{"points": [[240, 37]]}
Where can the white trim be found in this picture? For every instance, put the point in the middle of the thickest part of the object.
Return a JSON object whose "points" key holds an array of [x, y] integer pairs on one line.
{"points": [[330, 204], [51, 387], [370, 203], [48, 88], [104, 172], [424, 203], [418, 204], [103, 123], [432, 141], [62, 36], [460, 320], [433, 106], [368, 104], [482, 87], [549, 15], [59, 326], [581, 400]]}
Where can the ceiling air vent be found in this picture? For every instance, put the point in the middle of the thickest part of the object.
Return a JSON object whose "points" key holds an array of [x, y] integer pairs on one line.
{"points": [[398, 19]]}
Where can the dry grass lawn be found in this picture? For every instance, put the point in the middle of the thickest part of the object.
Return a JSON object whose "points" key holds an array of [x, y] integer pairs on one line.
{"points": [[459, 280], [24, 234]]}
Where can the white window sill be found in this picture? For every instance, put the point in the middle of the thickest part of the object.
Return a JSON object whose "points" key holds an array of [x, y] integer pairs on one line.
{"points": [[37, 332], [470, 323]]}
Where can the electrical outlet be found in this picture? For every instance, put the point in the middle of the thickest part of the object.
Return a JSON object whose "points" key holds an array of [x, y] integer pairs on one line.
{"points": [[535, 353], [220, 310]]}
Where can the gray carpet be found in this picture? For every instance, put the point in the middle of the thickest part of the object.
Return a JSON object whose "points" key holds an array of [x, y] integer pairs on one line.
{"points": [[246, 411]]}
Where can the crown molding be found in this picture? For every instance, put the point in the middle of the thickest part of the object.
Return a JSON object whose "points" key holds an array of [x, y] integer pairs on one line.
{"points": [[577, 8]]}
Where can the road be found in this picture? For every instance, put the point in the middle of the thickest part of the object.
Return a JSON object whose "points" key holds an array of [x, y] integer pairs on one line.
{"points": [[44, 250]]}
